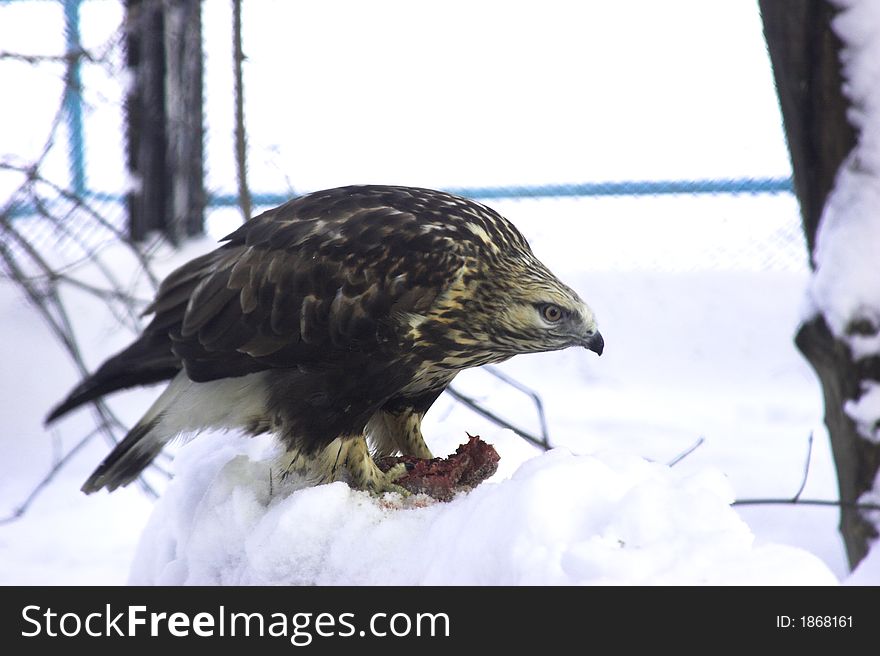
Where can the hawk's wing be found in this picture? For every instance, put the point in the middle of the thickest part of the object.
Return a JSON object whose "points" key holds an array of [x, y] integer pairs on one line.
{"points": [[308, 284]]}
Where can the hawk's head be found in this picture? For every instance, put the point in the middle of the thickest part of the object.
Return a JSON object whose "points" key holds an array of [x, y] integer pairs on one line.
{"points": [[537, 312], [504, 301], [524, 308]]}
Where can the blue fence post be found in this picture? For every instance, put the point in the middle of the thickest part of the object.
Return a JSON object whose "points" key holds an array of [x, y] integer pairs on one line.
{"points": [[73, 98]]}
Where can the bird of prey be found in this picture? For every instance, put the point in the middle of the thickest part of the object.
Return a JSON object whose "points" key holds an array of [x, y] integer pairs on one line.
{"points": [[335, 321]]}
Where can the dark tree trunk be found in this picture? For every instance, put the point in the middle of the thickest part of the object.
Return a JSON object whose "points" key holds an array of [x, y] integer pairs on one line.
{"points": [[145, 105], [164, 118], [855, 458], [804, 51], [183, 106], [805, 55]]}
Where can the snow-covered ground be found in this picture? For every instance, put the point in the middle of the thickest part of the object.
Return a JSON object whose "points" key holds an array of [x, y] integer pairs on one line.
{"points": [[698, 299]]}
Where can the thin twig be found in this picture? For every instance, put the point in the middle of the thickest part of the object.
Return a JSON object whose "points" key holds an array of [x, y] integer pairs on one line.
{"points": [[684, 454], [528, 391], [54, 312], [104, 294], [796, 499], [491, 416], [128, 316], [797, 494], [67, 58], [22, 508], [806, 502]]}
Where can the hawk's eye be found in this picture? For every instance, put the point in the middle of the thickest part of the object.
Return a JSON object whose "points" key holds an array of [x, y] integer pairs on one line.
{"points": [[551, 313]]}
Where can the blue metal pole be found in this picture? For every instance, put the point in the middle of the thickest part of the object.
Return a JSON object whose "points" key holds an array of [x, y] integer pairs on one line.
{"points": [[73, 98], [733, 186], [729, 186], [633, 188]]}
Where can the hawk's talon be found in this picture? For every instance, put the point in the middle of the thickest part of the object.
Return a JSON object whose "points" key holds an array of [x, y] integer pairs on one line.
{"points": [[385, 482], [364, 474]]}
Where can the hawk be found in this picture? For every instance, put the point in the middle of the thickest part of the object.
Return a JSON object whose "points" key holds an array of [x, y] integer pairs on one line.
{"points": [[335, 321]]}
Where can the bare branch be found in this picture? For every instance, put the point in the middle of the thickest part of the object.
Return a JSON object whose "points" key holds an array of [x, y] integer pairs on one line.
{"points": [[536, 399], [109, 295], [244, 194], [68, 57], [92, 213], [796, 499], [491, 416], [22, 508], [73, 221], [806, 502]]}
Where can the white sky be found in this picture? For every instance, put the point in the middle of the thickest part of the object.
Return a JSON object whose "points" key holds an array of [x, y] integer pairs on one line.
{"points": [[480, 93]]}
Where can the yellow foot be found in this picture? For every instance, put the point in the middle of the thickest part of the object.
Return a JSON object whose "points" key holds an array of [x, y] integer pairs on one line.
{"points": [[385, 481], [365, 475]]}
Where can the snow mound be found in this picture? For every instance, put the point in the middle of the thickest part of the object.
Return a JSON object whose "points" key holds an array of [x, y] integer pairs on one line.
{"points": [[559, 519]]}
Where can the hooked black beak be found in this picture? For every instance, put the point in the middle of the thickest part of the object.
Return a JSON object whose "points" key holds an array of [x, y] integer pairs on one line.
{"points": [[595, 343]]}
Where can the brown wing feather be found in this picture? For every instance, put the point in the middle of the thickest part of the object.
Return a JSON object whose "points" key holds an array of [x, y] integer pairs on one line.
{"points": [[307, 283]]}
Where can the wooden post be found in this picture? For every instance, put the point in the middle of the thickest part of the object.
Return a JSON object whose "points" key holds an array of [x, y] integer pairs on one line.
{"points": [[183, 108], [164, 117]]}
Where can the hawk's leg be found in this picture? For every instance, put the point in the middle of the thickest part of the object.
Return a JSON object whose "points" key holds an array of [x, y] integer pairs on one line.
{"points": [[390, 432], [364, 472], [345, 459]]}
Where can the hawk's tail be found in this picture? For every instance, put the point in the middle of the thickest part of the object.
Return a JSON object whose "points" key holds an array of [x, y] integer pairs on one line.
{"points": [[142, 444], [183, 407], [125, 463], [148, 360]]}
